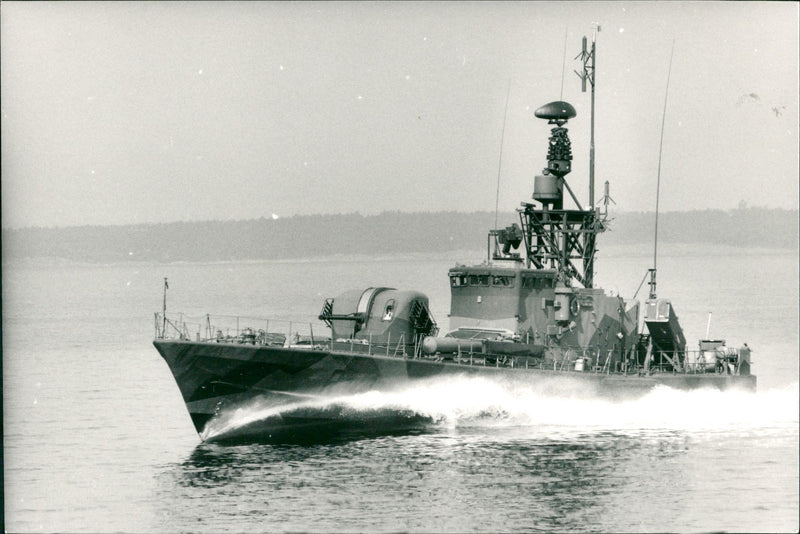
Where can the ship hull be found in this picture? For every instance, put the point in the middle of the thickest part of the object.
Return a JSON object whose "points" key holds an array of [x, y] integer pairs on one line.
{"points": [[217, 376]]}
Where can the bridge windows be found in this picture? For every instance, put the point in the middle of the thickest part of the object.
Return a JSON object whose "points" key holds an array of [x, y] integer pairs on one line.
{"points": [[479, 279], [482, 280], [537, 282], [503, 281], [458, 280]]}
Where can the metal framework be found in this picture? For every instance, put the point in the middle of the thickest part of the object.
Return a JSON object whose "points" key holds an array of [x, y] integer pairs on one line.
{"points": [[561, 239]]}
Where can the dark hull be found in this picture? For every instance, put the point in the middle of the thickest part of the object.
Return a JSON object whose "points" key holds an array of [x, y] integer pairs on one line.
{"points": [[287, 382]]}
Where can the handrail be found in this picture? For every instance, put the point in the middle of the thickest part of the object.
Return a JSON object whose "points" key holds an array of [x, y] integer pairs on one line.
{"points": [[233, 328], [236, 329]]}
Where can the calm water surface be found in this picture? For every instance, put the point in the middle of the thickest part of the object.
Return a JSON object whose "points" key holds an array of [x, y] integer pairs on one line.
{"points": [[96, 437]]}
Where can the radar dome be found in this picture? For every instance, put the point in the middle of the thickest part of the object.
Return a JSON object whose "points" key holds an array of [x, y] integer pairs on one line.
{"points": [[556, 111]]}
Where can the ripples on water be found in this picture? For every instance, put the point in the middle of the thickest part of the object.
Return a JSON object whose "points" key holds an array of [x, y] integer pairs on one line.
{"points": [[479, 456]]}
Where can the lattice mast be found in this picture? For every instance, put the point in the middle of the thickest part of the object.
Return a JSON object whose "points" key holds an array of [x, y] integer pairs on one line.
{"points": [[558, 238]]}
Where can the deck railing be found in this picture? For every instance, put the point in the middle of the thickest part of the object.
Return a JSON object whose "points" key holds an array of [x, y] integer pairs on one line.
{"points": [[310, 335], [239, 329]]}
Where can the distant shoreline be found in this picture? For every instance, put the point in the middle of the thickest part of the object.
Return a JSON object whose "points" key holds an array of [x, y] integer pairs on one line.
{"points": [[670, 250], [392, 234]]}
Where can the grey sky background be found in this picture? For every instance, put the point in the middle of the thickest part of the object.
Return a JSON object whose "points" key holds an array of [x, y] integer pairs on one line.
{"points": [[116, 113]]}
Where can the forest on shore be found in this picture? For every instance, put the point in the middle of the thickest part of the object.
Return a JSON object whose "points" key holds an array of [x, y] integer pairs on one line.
{"points": [[309, 236]]}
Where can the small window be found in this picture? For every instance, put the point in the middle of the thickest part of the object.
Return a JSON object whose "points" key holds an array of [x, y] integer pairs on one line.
{"points": [[503, 281], [479, 279], [458, 280], [388, 311]]}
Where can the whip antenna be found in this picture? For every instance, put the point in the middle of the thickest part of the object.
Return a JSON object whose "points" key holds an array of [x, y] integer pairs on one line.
{"points": [[658, 179], [500, 162], [164, 310], [563, 63]]}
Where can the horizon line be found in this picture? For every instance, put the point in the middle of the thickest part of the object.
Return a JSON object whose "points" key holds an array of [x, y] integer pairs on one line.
{"points": [[275, 217]]}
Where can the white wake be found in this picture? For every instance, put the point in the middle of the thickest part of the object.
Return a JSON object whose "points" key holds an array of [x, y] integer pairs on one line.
{"points": [[480, 402]]}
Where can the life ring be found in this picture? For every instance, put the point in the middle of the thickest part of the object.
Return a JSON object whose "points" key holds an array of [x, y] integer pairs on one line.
{"points": [[574, 306]]}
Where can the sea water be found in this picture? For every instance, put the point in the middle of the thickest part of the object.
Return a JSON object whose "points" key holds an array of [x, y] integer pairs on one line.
{"points": [[96, 436]]}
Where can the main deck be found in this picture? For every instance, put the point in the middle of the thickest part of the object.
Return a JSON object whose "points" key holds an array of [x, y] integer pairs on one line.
{"points": [[297, 337]]}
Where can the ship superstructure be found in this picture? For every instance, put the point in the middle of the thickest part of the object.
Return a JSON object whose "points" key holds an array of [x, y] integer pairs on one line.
{"points": [[545, 295]]}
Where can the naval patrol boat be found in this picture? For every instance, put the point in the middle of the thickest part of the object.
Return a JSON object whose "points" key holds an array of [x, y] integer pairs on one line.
{"points": [[529, 314]]}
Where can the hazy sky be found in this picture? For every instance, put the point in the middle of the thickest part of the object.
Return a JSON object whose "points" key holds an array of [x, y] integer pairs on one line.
{"points": [[117, 113]]}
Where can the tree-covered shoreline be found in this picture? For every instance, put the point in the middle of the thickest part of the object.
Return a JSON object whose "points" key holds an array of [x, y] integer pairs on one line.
{"points": [[390, 233]]}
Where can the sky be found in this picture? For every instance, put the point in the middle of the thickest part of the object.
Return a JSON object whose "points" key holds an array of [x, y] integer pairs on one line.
{"points": [[147, 112]]}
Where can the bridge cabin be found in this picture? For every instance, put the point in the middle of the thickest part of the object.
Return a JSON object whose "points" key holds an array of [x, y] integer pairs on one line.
{"points": [[535, 308]]}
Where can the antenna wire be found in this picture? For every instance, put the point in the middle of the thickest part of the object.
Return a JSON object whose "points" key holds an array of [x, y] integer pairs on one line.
{"points": [[658, 180], [563, 63], [500, 162]]}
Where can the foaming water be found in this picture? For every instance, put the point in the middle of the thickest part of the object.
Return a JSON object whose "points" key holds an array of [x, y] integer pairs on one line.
{"points": [[463, 402]]}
